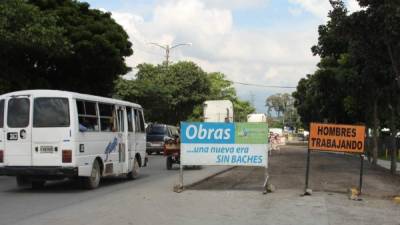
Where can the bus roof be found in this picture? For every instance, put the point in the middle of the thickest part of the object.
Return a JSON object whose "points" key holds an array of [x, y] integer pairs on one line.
{"points": [[68, 94], [218, 102]]}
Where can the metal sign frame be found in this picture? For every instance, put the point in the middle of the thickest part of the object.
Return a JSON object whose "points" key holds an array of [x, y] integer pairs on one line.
{"points": [[351, 136], [180, 186]]}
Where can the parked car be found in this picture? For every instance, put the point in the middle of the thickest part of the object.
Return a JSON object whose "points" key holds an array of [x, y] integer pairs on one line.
{"points": [[157, 134]]}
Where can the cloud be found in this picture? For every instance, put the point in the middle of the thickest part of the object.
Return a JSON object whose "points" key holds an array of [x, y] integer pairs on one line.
{"points": [[267, 56], [318, 8], [295, 11], [352, 6], [236, 4]]}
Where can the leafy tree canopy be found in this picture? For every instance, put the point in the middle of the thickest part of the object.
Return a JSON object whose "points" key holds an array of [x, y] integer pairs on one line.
{"points": [[358, 77], [168, 94], [60, 44], [176, 93]]}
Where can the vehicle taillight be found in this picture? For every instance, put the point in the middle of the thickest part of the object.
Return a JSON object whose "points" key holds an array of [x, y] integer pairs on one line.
{"points": [[66, 156], [1, 156]]}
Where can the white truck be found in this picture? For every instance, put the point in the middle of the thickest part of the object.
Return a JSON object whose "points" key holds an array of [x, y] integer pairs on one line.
{"points": [[257, 118], [218, 111]]}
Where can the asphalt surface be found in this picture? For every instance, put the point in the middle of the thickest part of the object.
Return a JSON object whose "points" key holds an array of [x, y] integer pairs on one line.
{"points": [[331, 176], [28, 206], [329, 172], [233, 197]]}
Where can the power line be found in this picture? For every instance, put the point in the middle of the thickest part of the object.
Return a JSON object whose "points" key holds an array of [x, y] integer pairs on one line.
{"points": [[261, 85]]}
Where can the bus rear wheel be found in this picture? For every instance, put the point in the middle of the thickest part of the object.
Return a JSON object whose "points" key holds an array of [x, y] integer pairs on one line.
{"points": [[93, 181]]}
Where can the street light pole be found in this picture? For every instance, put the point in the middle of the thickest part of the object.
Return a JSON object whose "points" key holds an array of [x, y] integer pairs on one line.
{"points": [[167, 49]]}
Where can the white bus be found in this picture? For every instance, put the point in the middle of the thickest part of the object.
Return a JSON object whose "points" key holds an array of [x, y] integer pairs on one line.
{"points": [[49, 134]]}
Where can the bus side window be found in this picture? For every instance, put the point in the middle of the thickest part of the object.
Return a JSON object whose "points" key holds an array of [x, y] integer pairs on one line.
{"points": [[1, 113], [87, 115], [130, 119], [137, 123], [114, 120], [107, 117], [121, 120], [141, 121]]}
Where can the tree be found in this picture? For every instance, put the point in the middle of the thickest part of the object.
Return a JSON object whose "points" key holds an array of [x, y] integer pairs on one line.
{"points": [[30, 40], [282, 104], [148, 90], [168, 94], [355, 80], [383, 17], [273, 103], [60, 44], [242, 109], [179, 91], [327, 95], [371, 62], [192, 87], [222, 89]]}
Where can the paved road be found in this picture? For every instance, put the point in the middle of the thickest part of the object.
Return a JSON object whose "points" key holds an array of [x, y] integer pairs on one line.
{"points": [[331, 176], [65, 203], [150, 200]]}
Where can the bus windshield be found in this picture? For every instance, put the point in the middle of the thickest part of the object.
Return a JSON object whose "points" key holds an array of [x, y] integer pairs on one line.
{"points": [[51, 112]]}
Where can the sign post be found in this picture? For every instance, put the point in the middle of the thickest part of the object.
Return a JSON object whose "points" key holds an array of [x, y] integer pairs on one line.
{"points": [[361, 173], [180, 176], [335, 138], [224, 144], [306, 189]]}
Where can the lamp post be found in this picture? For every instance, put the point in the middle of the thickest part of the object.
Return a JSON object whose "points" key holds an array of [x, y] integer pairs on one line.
{"points": [[168, 48]]}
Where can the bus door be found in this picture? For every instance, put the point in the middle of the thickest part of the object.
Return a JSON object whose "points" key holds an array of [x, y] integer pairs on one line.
{"points": [[140, 133], [123, 138], [131, 137], [2, 134], [51, 137], [17, 129]]}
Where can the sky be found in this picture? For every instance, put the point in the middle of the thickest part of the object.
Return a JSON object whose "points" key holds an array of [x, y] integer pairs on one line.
{"points": [[263, 42]]}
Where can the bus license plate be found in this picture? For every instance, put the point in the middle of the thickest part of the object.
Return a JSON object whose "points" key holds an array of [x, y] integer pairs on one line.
{"points": [[46, 149]]}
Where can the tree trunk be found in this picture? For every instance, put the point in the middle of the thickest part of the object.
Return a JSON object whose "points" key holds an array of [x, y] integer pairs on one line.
{"points": [[394, 59], [393, 147], [375, 133]]}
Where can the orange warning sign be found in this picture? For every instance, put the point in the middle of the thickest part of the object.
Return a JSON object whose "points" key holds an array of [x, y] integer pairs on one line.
{"points": [[337, 138]]}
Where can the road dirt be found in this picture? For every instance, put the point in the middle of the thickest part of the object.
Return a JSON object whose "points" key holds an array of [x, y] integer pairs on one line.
{"points": [[329, 172]]}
